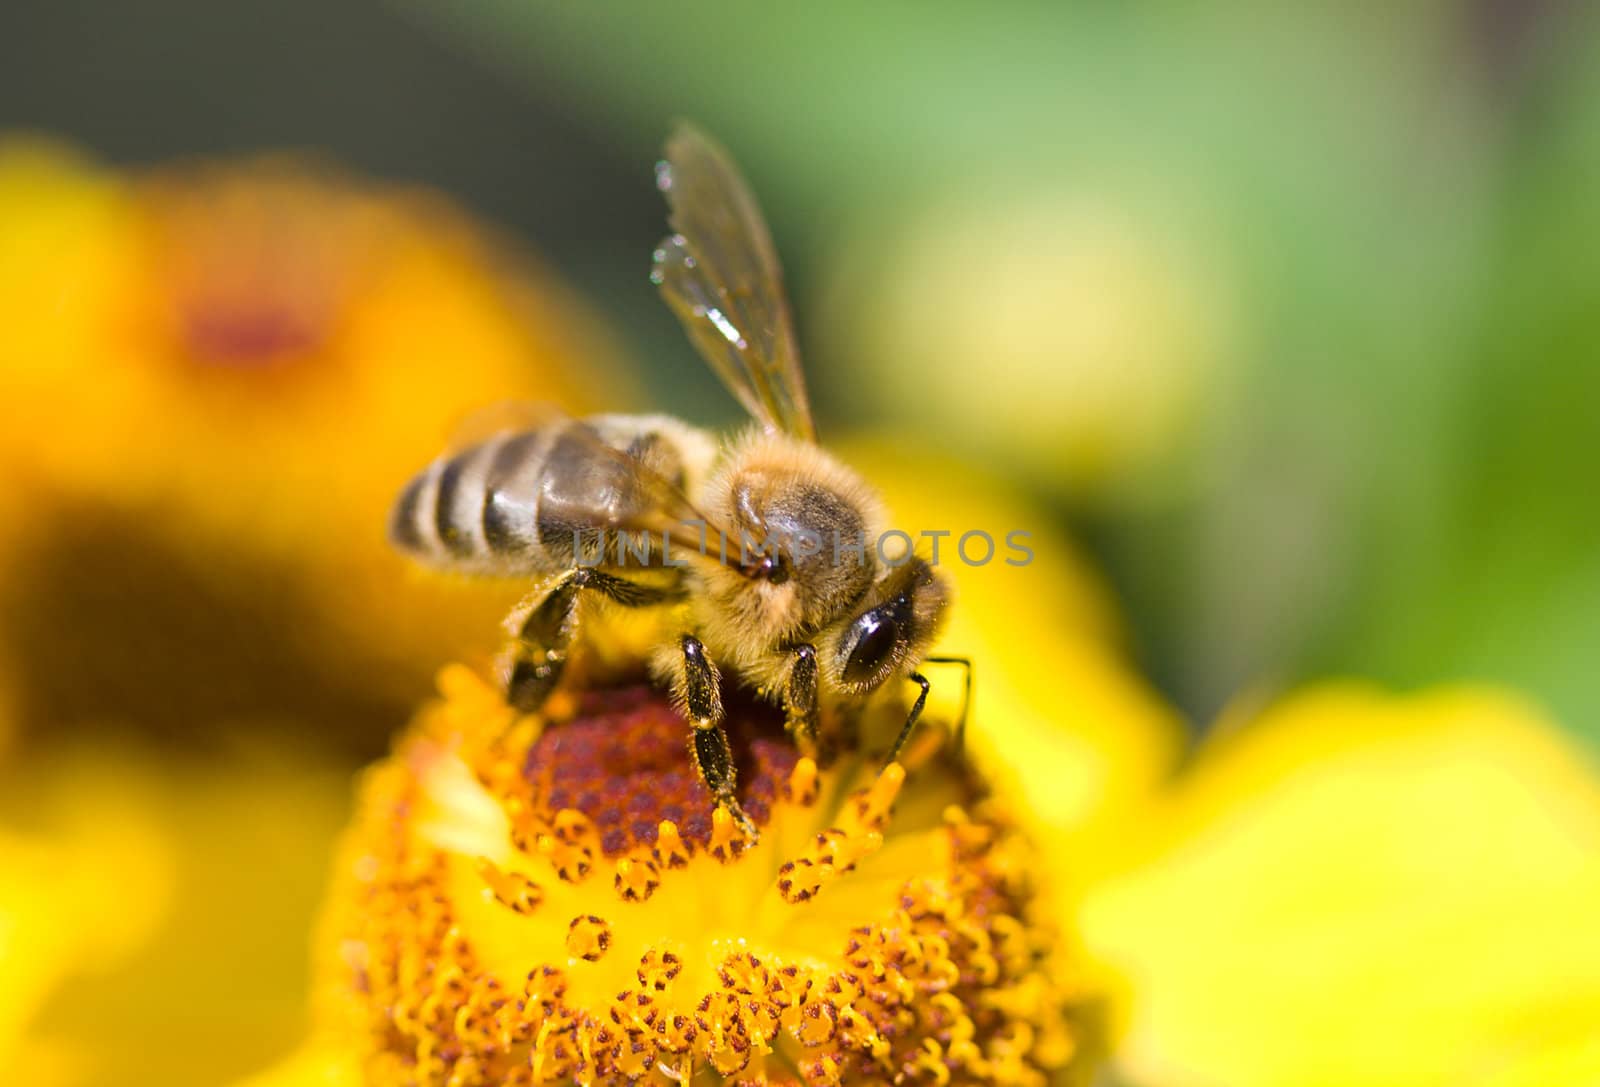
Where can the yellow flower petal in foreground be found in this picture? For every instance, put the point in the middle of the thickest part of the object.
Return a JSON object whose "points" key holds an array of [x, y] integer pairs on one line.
{"points": [[540, 900], [84, 879], [152, 906], [1362, 889]]}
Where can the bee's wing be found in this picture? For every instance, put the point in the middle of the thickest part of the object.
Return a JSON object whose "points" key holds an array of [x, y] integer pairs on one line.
{"points": [[719, 273], [630, 495]]}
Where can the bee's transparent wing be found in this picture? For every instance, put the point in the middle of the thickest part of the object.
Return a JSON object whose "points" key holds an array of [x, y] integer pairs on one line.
{"points": [[719, 273], [628, 495]]}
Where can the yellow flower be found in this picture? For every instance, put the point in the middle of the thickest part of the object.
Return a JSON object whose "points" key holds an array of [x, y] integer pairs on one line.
{"points": [[539, 900], [217, 376], [1364, 889], [1353, 888]]}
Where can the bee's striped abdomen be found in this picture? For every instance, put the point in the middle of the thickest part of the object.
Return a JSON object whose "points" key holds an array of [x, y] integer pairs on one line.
{"points": [[510, 527], [476, 510], [456, 498], [521, 503], [403, 530]]}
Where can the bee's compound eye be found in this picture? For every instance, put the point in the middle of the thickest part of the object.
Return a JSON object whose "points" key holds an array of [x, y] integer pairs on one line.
{"points": [[872, 640]]}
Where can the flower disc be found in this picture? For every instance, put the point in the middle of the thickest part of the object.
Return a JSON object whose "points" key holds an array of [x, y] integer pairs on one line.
{"points": [[527, 900]]}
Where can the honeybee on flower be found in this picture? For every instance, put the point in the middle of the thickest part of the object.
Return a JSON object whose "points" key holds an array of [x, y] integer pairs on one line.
{"points": [[571, 502]]}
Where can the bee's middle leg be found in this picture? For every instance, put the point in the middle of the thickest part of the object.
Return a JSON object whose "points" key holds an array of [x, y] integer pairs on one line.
{"points": [[699, 688]]}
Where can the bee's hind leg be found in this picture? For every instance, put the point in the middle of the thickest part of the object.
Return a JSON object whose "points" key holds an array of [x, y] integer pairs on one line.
{"points": [[698, 687], [543, 626], [545, 623]]}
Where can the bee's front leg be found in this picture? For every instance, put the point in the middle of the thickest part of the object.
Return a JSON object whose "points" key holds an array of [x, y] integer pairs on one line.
{"points": [[699, 690], [911, 718], [800, 706]]}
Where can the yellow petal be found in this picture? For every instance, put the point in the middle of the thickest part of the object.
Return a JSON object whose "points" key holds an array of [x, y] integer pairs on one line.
{"points": [[85, 876], [164, 908], [63, 224], [1576, 1062], [312, 1065], [1365, 889]]}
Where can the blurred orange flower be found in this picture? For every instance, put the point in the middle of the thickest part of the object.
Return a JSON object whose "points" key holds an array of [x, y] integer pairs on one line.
{"points": [[218, 375]]}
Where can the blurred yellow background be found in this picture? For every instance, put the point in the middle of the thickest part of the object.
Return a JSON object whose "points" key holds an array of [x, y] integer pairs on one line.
{"points": [[1279, 328]]}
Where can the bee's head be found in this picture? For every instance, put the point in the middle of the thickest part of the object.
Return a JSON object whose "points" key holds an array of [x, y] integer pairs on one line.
{"points": [[893, 629]]}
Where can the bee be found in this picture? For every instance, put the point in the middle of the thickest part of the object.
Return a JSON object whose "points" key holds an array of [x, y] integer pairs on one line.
{"points": [[762, 550]]}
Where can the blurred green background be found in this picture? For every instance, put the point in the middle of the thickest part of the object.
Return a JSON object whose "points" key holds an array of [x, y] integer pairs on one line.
{"points": [[1294, 316]]}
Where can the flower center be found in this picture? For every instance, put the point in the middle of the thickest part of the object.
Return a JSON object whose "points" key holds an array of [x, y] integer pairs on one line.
{"points": [[531, 901], [622, 763]]}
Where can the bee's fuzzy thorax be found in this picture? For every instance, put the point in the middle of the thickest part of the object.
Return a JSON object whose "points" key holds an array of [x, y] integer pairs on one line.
{"points": [[772, 490], [756, 449]]}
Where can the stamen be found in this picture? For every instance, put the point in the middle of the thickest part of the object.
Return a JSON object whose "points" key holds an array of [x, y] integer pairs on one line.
{"points": [[588, 938]]}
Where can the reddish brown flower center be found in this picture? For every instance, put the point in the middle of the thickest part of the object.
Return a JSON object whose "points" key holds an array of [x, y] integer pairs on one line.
{"points": [[623, 762]]}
